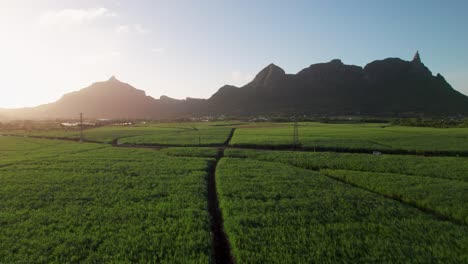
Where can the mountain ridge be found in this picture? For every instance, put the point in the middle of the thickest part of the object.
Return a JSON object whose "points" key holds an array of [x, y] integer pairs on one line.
{"points": [[388, 87]]}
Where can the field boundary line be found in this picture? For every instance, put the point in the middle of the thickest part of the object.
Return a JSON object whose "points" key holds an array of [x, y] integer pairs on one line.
{"points": [[270, 147], [318, 168], [433, 213], [441, 153], [230, 136]]}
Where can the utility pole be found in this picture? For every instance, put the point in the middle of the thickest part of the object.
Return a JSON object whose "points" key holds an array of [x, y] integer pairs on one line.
{"points": [[81, 128], [296, 134]]}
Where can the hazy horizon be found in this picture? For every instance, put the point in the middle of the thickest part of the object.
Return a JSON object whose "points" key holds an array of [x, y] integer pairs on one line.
{"points": [[187, 49]]}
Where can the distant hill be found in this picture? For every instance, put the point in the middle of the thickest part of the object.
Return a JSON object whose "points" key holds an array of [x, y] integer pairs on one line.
{"points": [[109, 99], [389, 87]]}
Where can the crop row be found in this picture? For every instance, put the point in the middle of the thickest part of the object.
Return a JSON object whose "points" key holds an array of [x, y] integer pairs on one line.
{"points": [[370, 137], [276, 213], [446, 198], [188, 137], [106, 205], [438, 167], [159, 133]]}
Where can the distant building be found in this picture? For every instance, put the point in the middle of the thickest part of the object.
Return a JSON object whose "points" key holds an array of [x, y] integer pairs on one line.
{"points": [[76, 124]]}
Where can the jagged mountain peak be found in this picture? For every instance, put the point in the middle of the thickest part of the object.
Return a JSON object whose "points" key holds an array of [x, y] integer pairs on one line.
{"points": [[113, 79], [417, 57], [269, 75]]}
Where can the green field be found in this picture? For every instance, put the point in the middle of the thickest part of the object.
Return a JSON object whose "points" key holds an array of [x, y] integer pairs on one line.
{"points": [[276, 213], [454, 168], [183, 134], [69, 202], [103, 205], [370, 137], [446, 197], [191, 136]]}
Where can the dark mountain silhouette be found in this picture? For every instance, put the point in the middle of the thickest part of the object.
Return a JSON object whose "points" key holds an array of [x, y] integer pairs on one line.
{"points": [[388, 87], [109, 99]]}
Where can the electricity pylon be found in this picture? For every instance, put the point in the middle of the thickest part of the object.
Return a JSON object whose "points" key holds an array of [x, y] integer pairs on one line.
{"points": [[295, 134], [81, 128]]}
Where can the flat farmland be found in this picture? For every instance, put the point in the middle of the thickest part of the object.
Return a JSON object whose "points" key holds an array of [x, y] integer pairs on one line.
{"points": [[183, 193], [188, 136], [382, 137], [103, 205], [436, 184], [454, 168], [183, 134], [275, 213]]}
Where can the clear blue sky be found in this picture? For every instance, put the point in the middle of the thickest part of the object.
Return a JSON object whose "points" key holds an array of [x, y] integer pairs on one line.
{"points": [[191, 48]]}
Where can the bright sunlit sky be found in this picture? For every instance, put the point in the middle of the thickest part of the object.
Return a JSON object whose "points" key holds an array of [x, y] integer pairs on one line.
{"points": [[191, 48]]}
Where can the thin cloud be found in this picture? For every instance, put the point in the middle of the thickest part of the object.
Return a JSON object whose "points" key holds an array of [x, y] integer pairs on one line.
{"points": [[135, 29], [124, 29], [92, 59], [69, 17]]}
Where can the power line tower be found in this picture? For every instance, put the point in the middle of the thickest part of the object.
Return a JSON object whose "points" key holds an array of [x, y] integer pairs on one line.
{"points": [[199, 138], [81, 128], [296, 134]]}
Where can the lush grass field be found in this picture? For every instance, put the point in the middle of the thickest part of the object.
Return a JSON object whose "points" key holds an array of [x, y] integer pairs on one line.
{"points": [[454, 168], [108, 205], [362, 137], [17, 149], [447, 198], [194, 136], [69, 202], [276, 213], [183, 134], [370, 137], [190, 152], [438, 184], [104, 134]]}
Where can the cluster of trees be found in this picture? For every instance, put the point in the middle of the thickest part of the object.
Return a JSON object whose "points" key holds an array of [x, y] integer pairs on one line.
{"points": [[431, 122]]}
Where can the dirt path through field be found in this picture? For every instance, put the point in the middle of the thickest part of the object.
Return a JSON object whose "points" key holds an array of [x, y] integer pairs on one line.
{"points": [[222, 248], [228, 139]]}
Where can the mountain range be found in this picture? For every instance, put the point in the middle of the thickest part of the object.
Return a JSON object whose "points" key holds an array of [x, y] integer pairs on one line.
{"points": [[389, 87]]}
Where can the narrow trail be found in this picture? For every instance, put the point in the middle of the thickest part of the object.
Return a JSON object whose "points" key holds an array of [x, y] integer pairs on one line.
{"points": [[221, 247], [229, 138]]}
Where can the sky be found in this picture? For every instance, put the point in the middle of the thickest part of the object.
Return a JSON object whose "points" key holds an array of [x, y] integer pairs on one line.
{"points": [[192, 48]]}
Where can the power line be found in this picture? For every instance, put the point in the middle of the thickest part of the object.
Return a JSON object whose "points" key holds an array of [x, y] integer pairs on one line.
{"points": [[81, 128], [296, 134]]}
